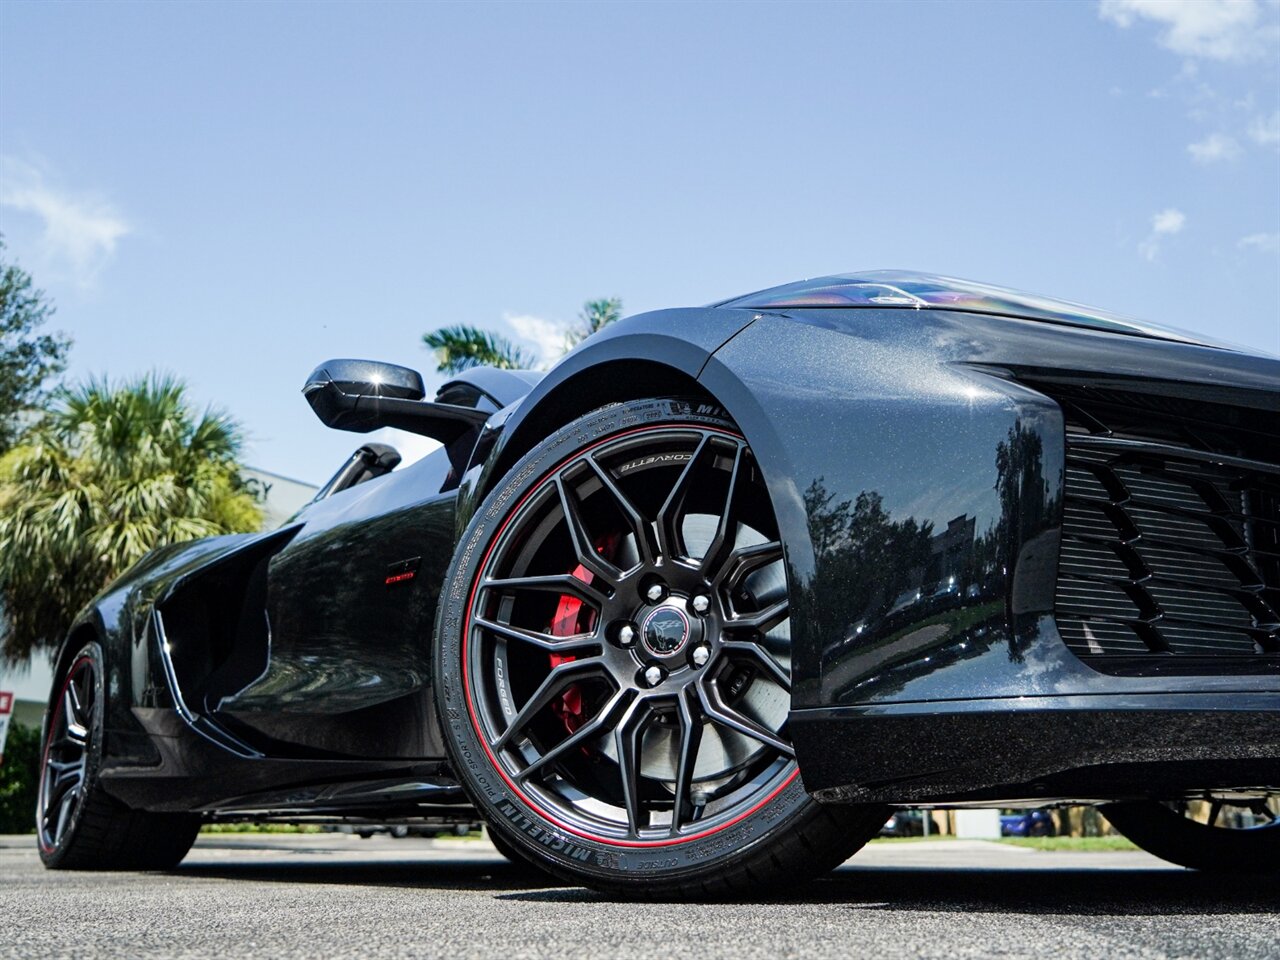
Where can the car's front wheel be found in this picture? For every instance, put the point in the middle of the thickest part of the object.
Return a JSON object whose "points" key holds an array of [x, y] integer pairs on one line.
{"points": [[79, 826], [1224, 833], [614, 669]]}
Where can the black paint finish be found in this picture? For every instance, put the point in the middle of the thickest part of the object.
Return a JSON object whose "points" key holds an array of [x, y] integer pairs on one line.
{"points": [[916, 463]]}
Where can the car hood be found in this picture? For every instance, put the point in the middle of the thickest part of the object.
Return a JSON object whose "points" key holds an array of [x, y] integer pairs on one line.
{"points": [[923, 291]]}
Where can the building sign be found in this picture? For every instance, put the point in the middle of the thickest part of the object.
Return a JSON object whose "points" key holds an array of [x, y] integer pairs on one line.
{"points": [[6, 708]]}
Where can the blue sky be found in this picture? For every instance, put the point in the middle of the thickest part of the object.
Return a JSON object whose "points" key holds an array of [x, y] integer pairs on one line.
{"points": [[235, 192]]}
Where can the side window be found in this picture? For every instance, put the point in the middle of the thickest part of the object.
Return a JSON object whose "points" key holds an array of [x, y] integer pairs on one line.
{"points": [[371, 460], [459, 450]]}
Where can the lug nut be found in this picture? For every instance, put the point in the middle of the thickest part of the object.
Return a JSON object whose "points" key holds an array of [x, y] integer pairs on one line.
{"points": [[654, 593], [653, 676], [701, 604], [626, 635], [701, 654]]}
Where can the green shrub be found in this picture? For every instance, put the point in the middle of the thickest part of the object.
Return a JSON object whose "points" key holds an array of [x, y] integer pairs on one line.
{"points": [[19, 774]]}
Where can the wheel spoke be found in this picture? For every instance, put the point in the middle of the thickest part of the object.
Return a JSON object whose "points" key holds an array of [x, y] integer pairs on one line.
{"points": [[71, 705], [544, 641], [690, 740], [780, 675], [593, 728], [720, 712], [62, 784], [727, 524], [581, 537], [552, 685], [558, 583], [762, 621], [744, 560], [641, 529], [64, 815], [670, 539], [626, 737]]}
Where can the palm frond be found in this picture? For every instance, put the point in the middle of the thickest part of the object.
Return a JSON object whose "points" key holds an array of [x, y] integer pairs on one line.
{"points": [[114, 471], [462, 347], [595, 316]]}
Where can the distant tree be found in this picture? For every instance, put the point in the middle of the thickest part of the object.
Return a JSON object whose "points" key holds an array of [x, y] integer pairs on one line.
{"points": [[595, 316], [112, 472], [19, 779], [462, 347], [27, 359]]}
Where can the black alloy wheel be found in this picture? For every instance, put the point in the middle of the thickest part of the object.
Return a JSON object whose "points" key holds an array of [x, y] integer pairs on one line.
{"points": [[1220, 831], [65, 760], [79, 826], [618, 685]]}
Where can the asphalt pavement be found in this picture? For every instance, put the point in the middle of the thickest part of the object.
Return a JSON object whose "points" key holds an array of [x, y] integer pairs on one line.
{"points": [[330, 895]]}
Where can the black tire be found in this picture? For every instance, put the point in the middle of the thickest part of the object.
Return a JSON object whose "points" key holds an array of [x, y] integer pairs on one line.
{"points": [[1167, 833], [520, 860], [79, 826], [741, 829]]}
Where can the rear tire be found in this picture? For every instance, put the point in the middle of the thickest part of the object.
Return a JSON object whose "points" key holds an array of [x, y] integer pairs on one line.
{"points": [[1169, 834], [613, 637], [79, 826]]}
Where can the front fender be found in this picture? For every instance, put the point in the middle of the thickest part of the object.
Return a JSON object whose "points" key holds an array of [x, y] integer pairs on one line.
{"points": [[918, 500]]}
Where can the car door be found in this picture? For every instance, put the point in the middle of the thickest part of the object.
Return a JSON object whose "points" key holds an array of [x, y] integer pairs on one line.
{"points": [[349, 605]]}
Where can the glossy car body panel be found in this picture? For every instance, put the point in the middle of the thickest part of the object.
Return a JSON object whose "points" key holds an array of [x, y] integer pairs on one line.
{"points": [[915, 456], [916, 468]]}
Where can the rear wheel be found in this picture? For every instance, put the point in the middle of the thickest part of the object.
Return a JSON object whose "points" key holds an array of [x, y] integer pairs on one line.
{"points": [[614, 663], [1226, 832], [78, 825]]}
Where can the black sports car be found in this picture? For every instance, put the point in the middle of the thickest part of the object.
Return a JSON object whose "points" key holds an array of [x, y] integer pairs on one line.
{"points": [[691, 611]]}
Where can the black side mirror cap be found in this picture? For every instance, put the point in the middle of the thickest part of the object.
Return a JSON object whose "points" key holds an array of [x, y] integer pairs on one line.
{"points": [[365, 395]]}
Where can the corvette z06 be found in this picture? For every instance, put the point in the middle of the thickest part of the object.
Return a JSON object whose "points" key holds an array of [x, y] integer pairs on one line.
{"points": [[688, 614]]}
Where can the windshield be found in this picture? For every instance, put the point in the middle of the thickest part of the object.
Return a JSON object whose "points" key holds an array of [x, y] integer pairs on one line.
{"points": [[896, 288]]}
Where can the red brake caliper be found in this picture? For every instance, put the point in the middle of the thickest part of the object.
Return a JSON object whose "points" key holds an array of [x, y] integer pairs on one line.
{"points": [[574, 617]]}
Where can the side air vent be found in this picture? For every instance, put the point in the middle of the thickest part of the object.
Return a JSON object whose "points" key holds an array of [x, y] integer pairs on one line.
{"points": [[1171, 534]]}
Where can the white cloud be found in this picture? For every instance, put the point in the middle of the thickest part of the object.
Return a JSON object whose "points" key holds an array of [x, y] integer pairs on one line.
{"points": [[1230, 30], [1266, 130], [1164, 224], [547, 336], [1215, 147], [1168, 221], [79, 232], [1260, 242]]}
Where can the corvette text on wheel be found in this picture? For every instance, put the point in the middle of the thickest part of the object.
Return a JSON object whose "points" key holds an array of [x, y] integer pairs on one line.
{"points": [[690, 613]]}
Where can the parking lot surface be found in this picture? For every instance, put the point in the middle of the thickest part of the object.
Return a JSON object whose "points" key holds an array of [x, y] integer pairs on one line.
{"points": [[330, 895]]}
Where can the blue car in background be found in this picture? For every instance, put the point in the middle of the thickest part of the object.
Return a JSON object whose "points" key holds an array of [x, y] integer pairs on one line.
{"points": [[1027, 823]]}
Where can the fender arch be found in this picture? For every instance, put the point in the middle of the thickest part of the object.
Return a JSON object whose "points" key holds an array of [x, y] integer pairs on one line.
{"points": [[650, 354]]}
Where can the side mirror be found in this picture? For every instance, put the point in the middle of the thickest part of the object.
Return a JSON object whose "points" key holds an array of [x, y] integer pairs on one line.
{"points": [[365, 395]]}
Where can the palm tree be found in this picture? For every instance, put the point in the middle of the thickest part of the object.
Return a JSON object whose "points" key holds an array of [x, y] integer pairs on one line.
{"points": [[111, 472], [595, 316], [461, 347]]}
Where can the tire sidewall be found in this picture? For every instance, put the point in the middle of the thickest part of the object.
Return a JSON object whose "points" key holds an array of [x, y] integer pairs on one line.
{"points": [[505, 810], [1169, 835], [93, 759]]}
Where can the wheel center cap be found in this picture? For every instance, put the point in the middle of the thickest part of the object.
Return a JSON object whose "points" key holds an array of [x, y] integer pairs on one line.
{"points": [[665, 631]]}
